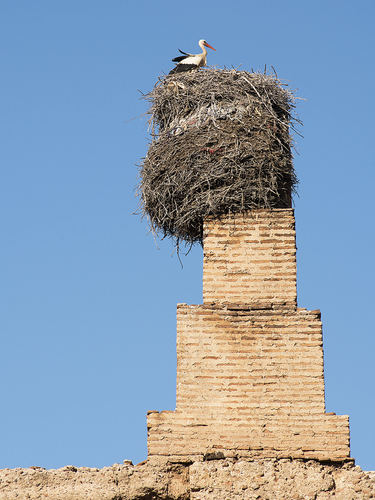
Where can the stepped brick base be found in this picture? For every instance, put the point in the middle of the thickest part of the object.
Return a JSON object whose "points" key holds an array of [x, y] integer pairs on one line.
{"points": [[250, 375]]}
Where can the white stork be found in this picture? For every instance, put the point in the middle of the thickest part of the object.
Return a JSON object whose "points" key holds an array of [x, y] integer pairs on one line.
{"points": [[191, 61]]}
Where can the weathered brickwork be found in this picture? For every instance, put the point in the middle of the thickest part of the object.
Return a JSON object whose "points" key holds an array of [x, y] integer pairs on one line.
{"points": [[250, 376], [251, 259]]}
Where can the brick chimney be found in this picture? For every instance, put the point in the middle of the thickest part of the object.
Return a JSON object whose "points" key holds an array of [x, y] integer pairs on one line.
{"points": [[250, 374]]}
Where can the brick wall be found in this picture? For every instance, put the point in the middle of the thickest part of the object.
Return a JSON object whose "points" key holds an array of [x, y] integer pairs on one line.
{"points": [[251, 259], [250, 379]]}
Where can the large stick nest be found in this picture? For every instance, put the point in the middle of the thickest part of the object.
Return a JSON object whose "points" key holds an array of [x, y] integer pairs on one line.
{"points": [[221, 144]]}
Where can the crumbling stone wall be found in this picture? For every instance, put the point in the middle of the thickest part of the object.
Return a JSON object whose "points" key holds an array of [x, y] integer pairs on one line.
{"points": [[270, 479]]}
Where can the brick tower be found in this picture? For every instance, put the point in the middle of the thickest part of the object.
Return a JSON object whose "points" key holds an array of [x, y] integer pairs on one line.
{"points": [[250, 375]]}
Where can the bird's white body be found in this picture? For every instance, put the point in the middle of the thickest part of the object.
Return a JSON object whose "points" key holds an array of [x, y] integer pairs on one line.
{"points": [[197, 60]]}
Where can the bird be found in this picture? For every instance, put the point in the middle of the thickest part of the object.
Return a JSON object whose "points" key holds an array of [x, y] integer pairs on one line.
{"points": [[188, 62]]}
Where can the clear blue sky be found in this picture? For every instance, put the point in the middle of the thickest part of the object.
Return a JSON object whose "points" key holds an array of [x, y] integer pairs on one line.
{"points": [[88, 302]]}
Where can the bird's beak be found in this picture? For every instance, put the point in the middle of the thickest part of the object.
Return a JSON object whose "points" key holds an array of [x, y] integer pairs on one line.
{"points": [[209, 46]]}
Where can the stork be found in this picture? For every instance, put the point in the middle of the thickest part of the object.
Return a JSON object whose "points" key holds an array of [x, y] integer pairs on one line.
{"points": [[191, 61]]}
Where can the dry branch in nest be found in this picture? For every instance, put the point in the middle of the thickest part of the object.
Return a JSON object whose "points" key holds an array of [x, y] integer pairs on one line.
{"points": [[221, 144]]}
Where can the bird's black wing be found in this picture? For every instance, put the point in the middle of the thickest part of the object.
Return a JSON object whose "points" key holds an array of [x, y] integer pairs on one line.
{"points": [[183, 67], [181, 58]]}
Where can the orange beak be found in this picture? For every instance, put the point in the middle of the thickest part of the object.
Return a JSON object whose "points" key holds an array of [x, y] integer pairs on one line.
{"points": [[209, 46]]}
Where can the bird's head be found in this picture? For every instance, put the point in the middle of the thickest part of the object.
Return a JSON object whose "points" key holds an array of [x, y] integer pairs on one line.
{"points": [[205, 44]]}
